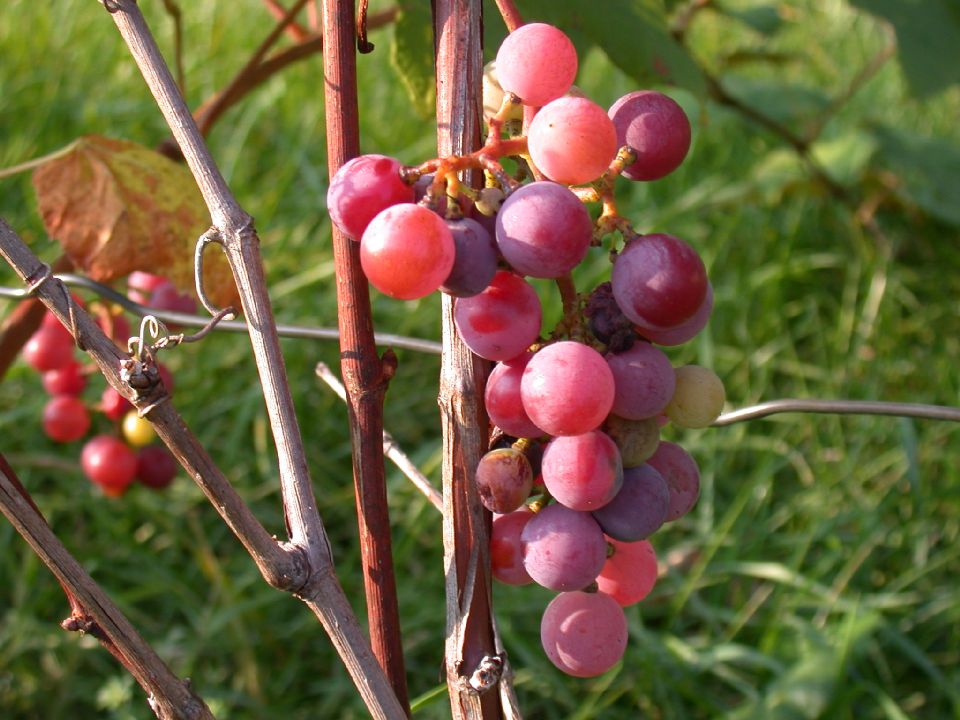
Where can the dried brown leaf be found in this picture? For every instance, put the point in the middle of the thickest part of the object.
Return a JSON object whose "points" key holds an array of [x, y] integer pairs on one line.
{"points": [[116, 206]]}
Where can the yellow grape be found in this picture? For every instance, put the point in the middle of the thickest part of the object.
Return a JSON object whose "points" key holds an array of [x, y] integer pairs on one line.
{"points": [[136, 430], [698, 398]]}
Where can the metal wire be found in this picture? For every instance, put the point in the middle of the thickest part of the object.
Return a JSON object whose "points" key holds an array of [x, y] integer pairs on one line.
{"points": [[751, 412], [179, 318]]}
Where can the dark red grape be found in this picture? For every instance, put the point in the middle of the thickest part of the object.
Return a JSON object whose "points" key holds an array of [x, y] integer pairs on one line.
{"points": [[504, 479], [65, 418], [639, 509], [656, 127]]}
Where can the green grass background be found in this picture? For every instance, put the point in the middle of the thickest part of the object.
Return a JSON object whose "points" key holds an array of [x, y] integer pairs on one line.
{"points": [[817, 576]]}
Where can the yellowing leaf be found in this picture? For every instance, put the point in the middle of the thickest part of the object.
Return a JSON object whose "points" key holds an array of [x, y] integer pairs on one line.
{"points": [[116, 206]]}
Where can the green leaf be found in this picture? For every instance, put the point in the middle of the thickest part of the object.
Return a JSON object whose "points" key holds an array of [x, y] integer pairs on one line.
{"points": [[927, 168], [412, 55], [787, 103], [634, 34], [845, 157], [928, 37], [765, 19]]}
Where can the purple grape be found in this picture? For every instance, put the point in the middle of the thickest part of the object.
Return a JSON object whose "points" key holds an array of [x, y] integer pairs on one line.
{"points": [[563, 549], [659, 281], [475, 259], [680, 471], [644, 381], [639, 509], [543, 230], [656, 128], [607, 321]]}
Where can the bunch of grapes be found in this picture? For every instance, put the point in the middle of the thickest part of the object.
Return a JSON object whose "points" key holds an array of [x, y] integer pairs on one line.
{"points": [[125, 450], [577, 475]]}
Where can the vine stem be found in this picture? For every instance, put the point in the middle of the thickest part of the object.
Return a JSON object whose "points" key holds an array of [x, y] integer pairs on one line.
{"points": [[94, 612], [366, 375], [322, 591], [471, 639], [510, 14]]}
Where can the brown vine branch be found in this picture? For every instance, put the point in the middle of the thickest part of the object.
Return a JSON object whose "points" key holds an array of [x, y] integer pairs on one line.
{"points": [[510, 14], [366, 376], [470, 644], [390, 447], [308, 539], [93, 611], [294, 30]]}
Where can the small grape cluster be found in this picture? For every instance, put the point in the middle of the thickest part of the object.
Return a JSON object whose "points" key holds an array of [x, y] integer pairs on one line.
{"points": [[111, 460], [577, 475]]}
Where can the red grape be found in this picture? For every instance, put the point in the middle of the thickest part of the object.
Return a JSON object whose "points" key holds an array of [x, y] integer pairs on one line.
{"points": [[583, 472], [108, 462], [563, 549], [536, 62], [49, 348], [644, 381], [156, 466], [361, 189], [630, 572], [679, 334], [67, 380], [65, 418], [543, 230], [503, 320], [583, 634], [567, 388], [659, 281], [113, 404], [506, 552], [502, 398], [656, 127], [572, 140], [407, 251]]}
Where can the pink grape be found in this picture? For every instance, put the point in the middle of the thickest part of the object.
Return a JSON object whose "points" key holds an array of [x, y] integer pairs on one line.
{"points": [[504, 479], [407, 251], [572, 140], [639, 509], [108, 462], [680, 471], [167, 297], [503, 402], [583, 472], [475, 259], [65, 418], [141, 284], [543, 230], [630, 572], [584, 634], [506, 550], [644, 381], [567, 388], [49, 348], [67, 380], [656, 127], [563, 549], [659, 281], [156, 466], [686, 330], [536, 62], [503, 320], [361, 189]]}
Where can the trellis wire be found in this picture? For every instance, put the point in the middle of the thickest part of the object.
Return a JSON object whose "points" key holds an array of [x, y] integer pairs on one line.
{"points": [[921, 411]]}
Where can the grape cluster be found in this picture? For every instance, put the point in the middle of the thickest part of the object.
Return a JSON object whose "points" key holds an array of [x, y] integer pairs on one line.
{"points": [[124, 451], [577, 475]]}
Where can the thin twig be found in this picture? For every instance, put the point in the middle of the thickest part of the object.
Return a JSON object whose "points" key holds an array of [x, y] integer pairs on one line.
{"points": [[169, 696], [294, 30], [366, 375], [839, 407], [173, 10], [179, 318], [390, 447], [307, 534], [510, 14]]}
